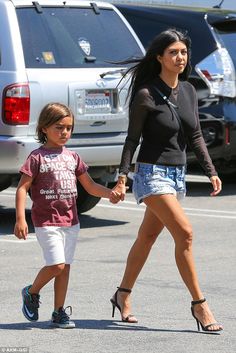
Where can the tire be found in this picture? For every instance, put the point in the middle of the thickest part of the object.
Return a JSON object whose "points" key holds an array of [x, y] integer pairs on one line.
{"points": [[227, 172], [85, 201], [228, 178], [5, 182]]}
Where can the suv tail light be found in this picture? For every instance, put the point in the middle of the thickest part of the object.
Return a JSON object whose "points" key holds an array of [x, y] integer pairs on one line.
{"points": [[217, 70], [16, 104]]}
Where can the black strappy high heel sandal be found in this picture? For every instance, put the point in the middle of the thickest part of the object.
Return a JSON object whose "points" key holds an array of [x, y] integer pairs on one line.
{"points": [[204, 328], [130, 318]]}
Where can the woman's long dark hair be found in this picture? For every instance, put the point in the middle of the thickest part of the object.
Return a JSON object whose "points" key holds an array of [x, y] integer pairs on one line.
{"points": [[146, 68]]}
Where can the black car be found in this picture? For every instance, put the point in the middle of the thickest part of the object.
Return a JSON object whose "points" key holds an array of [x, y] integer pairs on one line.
{"points": [[213, 35]]}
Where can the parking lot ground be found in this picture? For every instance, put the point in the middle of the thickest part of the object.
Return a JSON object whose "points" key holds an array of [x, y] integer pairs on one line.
{"points": [[160, 300]]}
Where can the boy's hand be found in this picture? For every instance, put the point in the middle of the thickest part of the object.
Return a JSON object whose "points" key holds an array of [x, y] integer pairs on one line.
{"points": [[121, 189], [21, 230], [114, 196]]}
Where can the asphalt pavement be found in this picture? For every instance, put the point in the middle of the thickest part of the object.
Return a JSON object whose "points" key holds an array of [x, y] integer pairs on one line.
{"points": [[160, 300]]}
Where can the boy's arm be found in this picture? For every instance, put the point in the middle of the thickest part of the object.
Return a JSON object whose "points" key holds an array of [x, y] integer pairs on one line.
{"points": [[21, 227], [96, 189]]}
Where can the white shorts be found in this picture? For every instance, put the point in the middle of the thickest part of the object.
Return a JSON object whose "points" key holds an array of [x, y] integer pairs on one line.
{"points": [[58, 243]]}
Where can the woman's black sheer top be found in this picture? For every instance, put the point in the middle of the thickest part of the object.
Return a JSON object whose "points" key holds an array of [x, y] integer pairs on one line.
{"points": [[154, 124]]}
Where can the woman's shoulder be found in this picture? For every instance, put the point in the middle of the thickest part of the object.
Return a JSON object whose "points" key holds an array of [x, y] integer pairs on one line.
{"points": [[188, 90], [144, 92], [187, 86], [144, 98]]}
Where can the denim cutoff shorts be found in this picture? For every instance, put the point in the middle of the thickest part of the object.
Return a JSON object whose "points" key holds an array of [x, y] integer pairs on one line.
{"points": [[153, 179]]}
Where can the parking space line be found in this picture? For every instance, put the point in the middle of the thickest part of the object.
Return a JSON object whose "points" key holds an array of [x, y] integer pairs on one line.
{"points": [[10, 238], [121, 207], [189, 211], [207, 210]]}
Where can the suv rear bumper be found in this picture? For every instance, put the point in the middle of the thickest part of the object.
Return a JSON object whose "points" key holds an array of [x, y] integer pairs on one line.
{"points": [[222, 151], [16, 149]]}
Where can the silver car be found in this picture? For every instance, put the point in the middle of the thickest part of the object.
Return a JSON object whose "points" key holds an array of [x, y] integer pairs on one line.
{"points": [[64, 51]]}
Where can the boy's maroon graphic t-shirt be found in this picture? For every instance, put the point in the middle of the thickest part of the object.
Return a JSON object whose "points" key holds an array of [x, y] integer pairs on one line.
{"points": [[54, 190]]}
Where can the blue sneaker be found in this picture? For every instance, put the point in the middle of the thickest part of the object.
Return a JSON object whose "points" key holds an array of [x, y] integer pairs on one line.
{"points": [[61, 319], [30, 304]]}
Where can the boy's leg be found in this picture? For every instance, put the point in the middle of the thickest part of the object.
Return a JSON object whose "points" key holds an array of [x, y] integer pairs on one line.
{"points": [[45, 275], [60, 318], [30, 294], [70, 237], [60, 287], [51, 242]]}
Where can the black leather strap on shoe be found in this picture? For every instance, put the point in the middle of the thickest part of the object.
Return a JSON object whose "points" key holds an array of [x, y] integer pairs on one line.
{"points": [[200, 301], [120, 289]]}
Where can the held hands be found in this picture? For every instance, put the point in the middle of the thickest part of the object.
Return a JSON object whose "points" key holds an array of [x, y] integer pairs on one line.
{"points": [[21, 230], [119, 191], [217, 185], [114, 197]]}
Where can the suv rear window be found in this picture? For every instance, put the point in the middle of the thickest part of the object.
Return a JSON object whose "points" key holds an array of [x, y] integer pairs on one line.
{"points": [[226, 31], [73, 37]]}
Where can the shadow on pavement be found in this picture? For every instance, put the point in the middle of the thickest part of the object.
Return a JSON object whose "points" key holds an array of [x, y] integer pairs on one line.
{"points": [[87, 221], [7, 221], [110, 325]]}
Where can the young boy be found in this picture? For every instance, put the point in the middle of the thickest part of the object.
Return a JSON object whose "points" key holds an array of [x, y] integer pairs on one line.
{"points": [[51, 173]]}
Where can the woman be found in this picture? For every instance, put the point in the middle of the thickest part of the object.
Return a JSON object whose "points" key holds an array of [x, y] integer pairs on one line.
{"points": [[164, 114]]}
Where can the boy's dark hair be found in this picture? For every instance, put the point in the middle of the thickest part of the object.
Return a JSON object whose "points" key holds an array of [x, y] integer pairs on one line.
{"points": [[49, 115]]}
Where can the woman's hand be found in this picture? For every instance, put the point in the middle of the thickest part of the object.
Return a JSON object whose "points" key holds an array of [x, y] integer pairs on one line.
{"points": [[114, 196], [120, 187], [217, 185]]}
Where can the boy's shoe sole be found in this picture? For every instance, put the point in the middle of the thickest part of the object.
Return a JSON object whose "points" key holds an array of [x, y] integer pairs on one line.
{"points": [[61, 319], [64, 326]]}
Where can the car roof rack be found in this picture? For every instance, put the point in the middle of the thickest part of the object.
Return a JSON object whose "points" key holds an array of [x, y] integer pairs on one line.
{"points": [[37, 6], [95, 8]]}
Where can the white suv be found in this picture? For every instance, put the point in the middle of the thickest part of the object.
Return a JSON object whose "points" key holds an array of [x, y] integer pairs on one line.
{"points": [[64, 51]]}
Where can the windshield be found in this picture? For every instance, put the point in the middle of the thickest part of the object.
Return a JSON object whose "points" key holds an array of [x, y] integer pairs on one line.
{"points": [[71, 37]]}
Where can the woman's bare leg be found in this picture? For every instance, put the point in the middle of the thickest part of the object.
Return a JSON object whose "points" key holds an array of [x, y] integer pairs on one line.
{"points": [[171, 214], [149, 230]]}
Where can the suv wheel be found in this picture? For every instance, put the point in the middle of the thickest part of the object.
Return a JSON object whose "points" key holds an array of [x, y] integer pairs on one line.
{"points": [[5, 182], [86, 201]]}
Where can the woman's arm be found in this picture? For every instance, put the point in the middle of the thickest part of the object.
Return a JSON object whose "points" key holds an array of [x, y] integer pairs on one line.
{"points": [[137, 116], [198, 146]]}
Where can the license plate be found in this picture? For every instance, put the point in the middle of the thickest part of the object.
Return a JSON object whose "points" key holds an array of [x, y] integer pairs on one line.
{"points": [[98, 102]]}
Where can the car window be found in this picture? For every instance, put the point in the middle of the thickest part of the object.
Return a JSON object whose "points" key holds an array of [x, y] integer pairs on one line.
{"points": [[226, 32], [146, 26], [229, 40], [74, 37]]}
